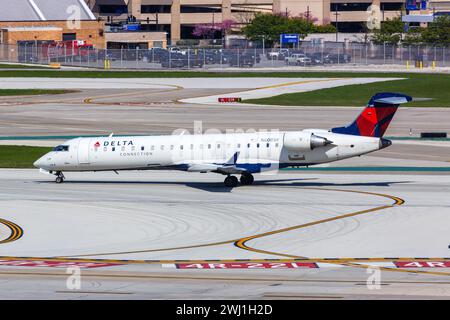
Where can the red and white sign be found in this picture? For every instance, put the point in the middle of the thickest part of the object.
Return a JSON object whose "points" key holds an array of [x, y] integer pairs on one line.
{"points": [[230, 99], [422, 264], [248, 265], [54, 264]]}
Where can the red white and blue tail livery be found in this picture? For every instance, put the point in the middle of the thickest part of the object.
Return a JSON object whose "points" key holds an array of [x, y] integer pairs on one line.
{"points": [[375, 118]]}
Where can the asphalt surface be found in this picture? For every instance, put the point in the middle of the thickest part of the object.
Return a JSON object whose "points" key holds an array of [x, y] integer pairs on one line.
{"points": [[132, 234], [138, 223]]}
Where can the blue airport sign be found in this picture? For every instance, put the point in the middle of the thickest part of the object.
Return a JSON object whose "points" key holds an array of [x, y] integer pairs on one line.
{"points": [[289, 38], [416, 4]]}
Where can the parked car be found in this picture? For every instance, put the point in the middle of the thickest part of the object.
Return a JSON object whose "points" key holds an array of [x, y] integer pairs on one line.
{"points": [[156, 55], [316, 57], [280, 54], [337, 58], [246, 59], [178, 60], [298, 59], [176, 50]]}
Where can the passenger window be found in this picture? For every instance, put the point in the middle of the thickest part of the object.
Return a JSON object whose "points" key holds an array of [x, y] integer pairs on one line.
{"points": [[162, 147], [142, 148], [209, 146], [192, 147], [248, 145], [239, 145], [122, 149], [171, 147], [105, 149], [218, 146], [276, 145], [113, 148], [133, 148], [153, 148], [201, 146], [181, 147], [257, 145], [267, 145]]}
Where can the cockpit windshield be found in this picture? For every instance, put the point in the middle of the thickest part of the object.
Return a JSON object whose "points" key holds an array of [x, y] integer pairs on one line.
{"points": [[61, 148]]}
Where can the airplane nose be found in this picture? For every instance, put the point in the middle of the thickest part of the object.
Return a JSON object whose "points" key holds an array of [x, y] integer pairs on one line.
{"points": [[39, 163]]}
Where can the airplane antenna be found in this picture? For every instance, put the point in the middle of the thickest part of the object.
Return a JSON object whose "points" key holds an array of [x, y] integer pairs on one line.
{"points": [[112, 133]]}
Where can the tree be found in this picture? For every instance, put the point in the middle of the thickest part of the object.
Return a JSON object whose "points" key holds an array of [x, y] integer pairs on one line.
{"points": [[390, 32], [207, 30], [438, 32], [271, 26]]}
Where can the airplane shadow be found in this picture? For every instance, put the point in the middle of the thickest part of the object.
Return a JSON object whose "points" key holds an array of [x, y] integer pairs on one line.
{"points": [[219, 187]]}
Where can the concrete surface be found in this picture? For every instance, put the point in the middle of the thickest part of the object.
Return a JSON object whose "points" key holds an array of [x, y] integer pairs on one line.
{"points": [[154, 218], [147, 215]]}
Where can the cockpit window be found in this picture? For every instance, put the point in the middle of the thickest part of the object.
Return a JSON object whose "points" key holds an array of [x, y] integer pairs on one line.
{"points": [[61, 148]]}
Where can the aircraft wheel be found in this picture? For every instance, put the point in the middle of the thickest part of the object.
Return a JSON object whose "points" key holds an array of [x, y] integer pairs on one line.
{"points": [[59, 180], [247, 179], [231, 181]]}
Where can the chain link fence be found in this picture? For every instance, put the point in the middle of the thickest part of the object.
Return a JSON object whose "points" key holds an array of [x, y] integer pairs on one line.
{"points": [[307, 54]]}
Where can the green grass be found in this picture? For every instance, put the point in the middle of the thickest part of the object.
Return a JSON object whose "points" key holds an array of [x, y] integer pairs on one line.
{"points": [[31, 92], [434, 86], [20, 156]]}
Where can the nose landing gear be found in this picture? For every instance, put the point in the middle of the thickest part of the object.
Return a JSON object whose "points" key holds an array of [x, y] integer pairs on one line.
{"points": [[59, 177]]}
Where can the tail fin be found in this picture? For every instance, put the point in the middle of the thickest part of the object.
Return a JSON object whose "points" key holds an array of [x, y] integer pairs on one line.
{"points": [[375, 118]]}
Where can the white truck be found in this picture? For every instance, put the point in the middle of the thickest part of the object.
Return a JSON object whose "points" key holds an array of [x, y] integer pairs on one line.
{"points": [[298, 59], [278, 54]]}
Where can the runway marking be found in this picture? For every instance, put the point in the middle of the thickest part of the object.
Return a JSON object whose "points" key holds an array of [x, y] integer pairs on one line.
{"points": [[397, 202], [306, 260], [16, 231], [260, 88], [296, 82], [90, 100], [241, 243]]}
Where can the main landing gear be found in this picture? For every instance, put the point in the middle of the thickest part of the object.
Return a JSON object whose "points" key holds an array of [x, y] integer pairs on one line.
{"points": [[232, 181], [59, 177], [247, 179]]}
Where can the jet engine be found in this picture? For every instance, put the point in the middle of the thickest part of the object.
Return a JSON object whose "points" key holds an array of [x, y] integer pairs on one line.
{"points": [[299, 141]]}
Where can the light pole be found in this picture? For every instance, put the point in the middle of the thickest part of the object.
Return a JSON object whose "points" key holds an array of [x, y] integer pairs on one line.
{"points": [[263, 44], [336, 23]]}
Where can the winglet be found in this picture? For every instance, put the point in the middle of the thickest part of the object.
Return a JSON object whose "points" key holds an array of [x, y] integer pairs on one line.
{"points": [[233, 159]]}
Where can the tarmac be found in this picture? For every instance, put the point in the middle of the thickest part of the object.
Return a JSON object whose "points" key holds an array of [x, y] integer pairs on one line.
{"points": [[293, 234], [153, 234]]}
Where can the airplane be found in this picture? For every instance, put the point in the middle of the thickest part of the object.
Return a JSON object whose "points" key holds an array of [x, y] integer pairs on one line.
{"points": [[228, 154]]}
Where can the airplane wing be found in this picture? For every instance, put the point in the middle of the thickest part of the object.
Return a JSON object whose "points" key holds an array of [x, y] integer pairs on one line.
{"points": [[229, 167]]}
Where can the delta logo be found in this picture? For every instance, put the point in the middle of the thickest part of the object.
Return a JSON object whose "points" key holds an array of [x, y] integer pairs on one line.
{"points": [[117, 143]]}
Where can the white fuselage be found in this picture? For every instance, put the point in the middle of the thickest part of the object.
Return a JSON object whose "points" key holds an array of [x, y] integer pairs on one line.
{"points": [[256, 152]]}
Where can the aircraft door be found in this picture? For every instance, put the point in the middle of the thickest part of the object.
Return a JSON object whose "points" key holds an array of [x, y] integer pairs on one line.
{"points": [[83, 151]]}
